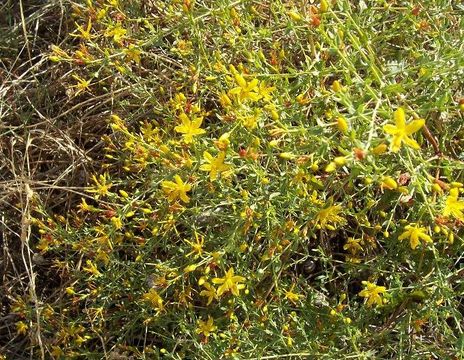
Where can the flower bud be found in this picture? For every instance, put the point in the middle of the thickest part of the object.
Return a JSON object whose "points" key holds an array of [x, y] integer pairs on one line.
{"points": [[342, 125]]}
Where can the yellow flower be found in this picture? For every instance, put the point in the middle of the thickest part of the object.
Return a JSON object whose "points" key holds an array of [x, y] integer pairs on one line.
{"points": [[302, 99], [379, 149], [229, 282], [324, 6], [182, 47], [216, 165], [388, 183], [101, 13], [210, 292], [265, 91], [84, 33], [58, 54], [340, 160], [336, 86], [124, 194], [117, 222], [402, 131], [245, 89], [453, 206], [84, 207], [154, 299], [117, 32], [177, 189], [331, 167], [273, 111], [91, 268], [206, 327], [295, 16], [117, 124], [336, 163], [21, 327], [82, 85], [189, 128], [132, 53], [197, 246], [287, 155], [178, 102], [291, 296], [190, 268], [415, 234], [353, 246], [225, 100], [342, 125], [83, 53], [223, 142], [328, 217], [250, 121], [373, 293], [352, 259]]}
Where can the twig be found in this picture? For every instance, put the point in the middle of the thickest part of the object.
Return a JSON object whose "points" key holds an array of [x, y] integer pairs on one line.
{"points": [[432, 140]]}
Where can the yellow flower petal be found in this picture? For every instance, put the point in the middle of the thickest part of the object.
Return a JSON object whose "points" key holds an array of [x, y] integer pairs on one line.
{"points": [[207, 156], [390, 129], [400, 118], [414, 126], [240, 80], [411, 142]]}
